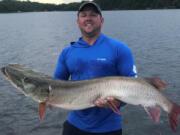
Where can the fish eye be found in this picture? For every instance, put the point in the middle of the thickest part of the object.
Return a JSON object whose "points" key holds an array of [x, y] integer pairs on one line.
{"points": [[25, 79]]}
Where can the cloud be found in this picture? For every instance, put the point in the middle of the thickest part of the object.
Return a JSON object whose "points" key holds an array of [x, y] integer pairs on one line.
{"points": [[54, 1], [69, 1]]}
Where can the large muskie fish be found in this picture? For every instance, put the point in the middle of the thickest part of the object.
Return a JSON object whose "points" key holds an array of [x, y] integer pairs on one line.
{"points": [[76, 95]]}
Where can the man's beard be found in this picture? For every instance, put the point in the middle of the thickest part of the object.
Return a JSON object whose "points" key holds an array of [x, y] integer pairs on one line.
{"points": [[91, 34]]}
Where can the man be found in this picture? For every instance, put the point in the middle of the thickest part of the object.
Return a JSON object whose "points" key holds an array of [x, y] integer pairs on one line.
{"points": [[94, 55]]}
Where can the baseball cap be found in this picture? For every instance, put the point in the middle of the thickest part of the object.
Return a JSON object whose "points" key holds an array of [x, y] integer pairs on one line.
{"points": [[90, 4]]}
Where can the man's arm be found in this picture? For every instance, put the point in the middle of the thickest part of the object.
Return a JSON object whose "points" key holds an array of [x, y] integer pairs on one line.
{"points": [[61, 71], [110, 102], [125, 67]]}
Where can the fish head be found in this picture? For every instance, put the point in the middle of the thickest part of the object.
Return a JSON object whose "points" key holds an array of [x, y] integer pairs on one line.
{"points": [[13, 76], [27, 81]]}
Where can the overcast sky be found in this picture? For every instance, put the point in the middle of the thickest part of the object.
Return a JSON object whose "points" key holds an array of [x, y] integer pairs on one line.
{"points": [[54, 1]]}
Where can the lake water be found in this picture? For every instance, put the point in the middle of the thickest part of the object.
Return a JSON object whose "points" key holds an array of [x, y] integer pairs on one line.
{"points": [[36, 39]]}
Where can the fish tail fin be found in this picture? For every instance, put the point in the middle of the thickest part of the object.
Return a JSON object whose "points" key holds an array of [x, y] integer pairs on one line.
{"points": [[173, 117]]}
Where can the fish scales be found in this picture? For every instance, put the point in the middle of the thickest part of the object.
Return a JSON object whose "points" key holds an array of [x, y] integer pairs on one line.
{"points": [[126, 89]]}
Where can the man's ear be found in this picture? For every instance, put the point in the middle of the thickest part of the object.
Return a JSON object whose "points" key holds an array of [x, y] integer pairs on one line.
{"points": [[102, 21], [77, 21]]}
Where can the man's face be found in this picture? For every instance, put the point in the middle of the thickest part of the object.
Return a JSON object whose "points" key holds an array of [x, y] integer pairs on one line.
{"points": [[89, 22]]}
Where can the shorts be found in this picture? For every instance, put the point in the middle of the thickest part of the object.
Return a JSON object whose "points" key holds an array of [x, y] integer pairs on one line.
{"points": [[69, 129]]}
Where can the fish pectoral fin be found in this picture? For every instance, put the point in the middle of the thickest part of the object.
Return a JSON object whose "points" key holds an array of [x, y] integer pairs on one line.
{"points": [[154, 112], [42, 111]]}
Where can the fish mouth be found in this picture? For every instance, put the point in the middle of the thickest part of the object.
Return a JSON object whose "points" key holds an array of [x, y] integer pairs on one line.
{"points": [[3, 70]]}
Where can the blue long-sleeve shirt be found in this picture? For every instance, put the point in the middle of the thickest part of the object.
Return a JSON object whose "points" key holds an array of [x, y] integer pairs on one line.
{"points": [[106, 57]]}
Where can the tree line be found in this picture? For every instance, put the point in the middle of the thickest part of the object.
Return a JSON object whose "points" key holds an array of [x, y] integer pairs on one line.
{"points": [[28, 6], [138, 4]]}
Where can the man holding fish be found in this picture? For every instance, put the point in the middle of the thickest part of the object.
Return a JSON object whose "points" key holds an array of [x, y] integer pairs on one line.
{"points": [[94, 55]]}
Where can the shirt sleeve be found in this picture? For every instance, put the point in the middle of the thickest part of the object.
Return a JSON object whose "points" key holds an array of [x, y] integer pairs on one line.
{"points": [[125, 64], [61, 71]]}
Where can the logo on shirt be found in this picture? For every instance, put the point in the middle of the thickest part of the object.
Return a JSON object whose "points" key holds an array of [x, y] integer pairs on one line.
{"points": [[101, 59], [134, 70]]}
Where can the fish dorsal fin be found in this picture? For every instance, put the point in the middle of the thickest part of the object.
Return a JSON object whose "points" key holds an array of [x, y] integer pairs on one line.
{"points": [[156, 82], [42, 111], [154, 112]]}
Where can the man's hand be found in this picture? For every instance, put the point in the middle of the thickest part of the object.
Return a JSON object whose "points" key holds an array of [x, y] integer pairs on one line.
{"points": [[110, 102]]}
